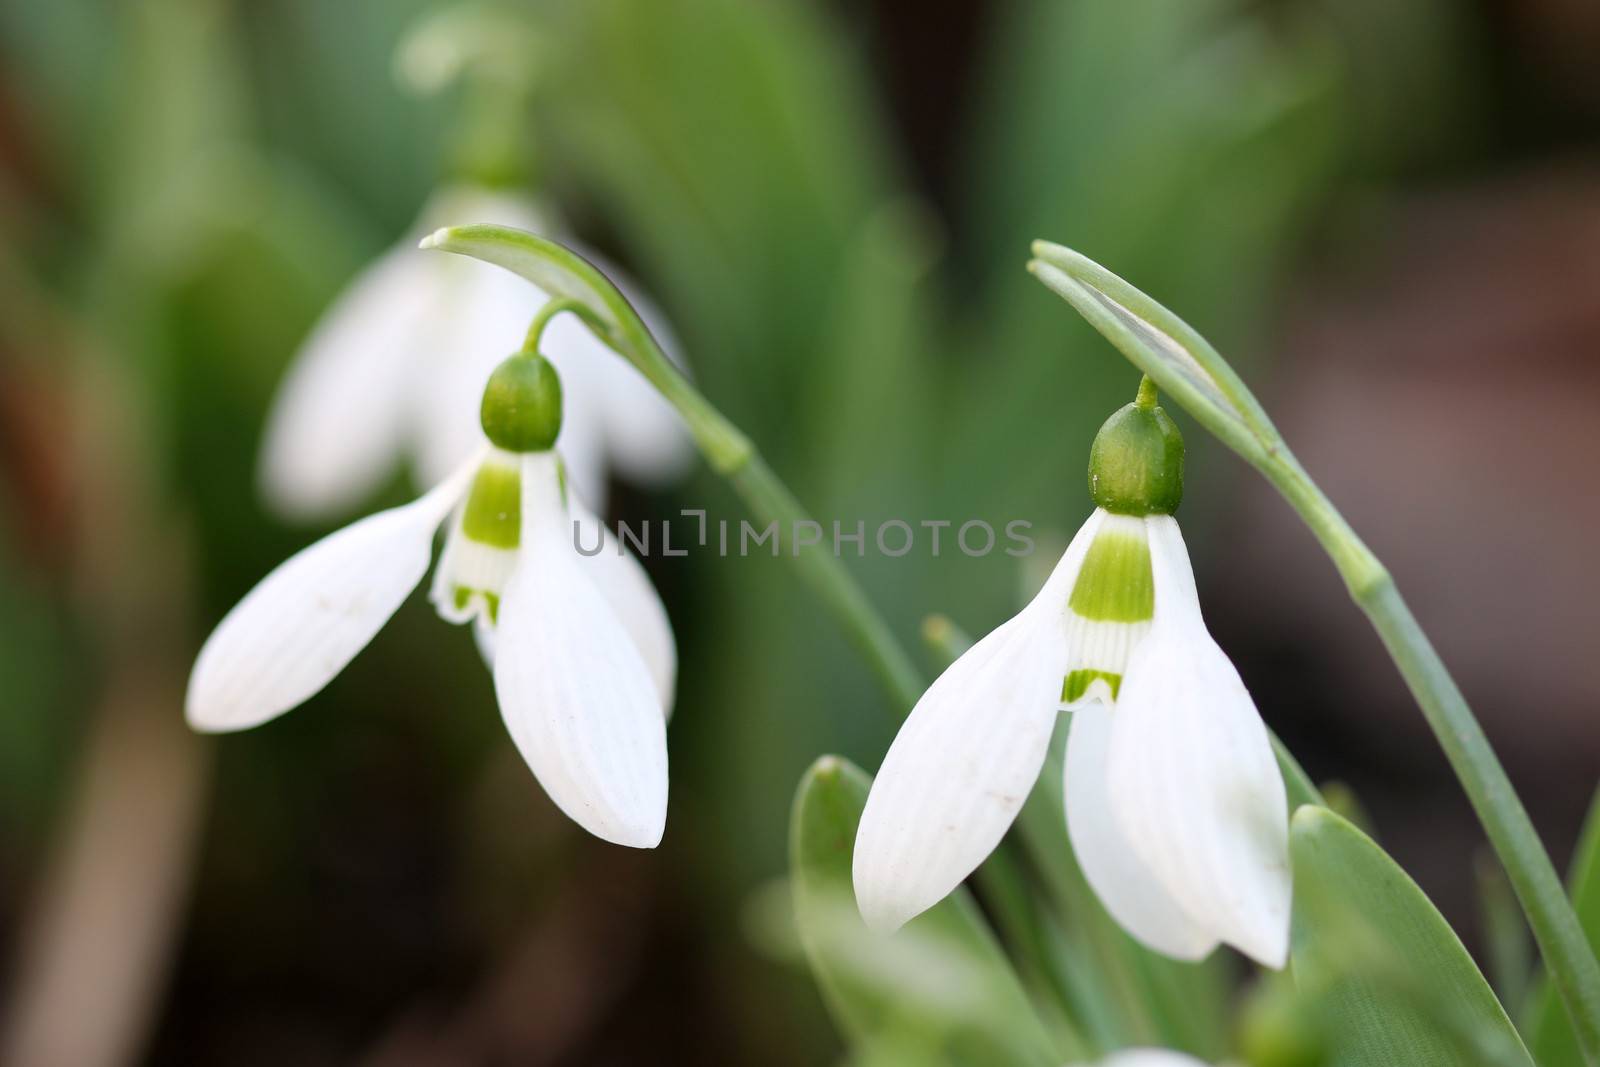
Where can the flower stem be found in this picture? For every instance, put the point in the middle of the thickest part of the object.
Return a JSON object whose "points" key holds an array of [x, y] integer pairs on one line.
{"points": [[769, 499], [566, 277], [549, 311], [1555, 925], [1148, 396], [1189, 370]]}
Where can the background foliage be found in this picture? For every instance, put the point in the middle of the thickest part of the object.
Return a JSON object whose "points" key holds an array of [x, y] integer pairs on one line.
{"points": [[833, 204]]}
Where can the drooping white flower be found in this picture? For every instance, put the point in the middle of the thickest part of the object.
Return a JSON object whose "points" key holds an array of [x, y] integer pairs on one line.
{"points": [[424, 332], [586, 660], [1174, 802], [1149, 1057]]}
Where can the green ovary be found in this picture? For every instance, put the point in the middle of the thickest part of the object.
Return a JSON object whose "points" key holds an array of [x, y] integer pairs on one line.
{"points": [[493, 515], [1115, 584]]}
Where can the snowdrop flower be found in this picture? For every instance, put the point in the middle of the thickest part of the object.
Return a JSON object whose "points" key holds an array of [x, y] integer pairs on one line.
{"points": [[1174, 802], [1149, 1057], [424, 332], [586, 659]]}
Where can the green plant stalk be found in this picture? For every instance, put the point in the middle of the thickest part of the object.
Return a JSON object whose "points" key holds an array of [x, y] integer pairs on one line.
{"points": [[576, 285], [765, 494], [1538, 887], [1007, 896], [1190, 371], [769, 499]]}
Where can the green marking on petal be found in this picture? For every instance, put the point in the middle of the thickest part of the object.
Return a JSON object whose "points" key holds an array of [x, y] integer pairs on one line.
{"points": [[1077, 683], [1115, 584], [493, 514], [463, 595]]}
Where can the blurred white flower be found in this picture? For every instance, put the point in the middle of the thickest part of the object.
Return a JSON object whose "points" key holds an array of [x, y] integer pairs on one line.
{"points": [[1149, 1057], [587, 694], [1174, 801], [396, 366]]}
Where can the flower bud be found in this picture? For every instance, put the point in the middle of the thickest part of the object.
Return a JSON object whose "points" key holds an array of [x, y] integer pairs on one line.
{"points": [[1136, 461], [522, 404]]}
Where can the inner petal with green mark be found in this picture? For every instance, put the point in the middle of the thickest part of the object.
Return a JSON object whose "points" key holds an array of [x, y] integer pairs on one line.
{"points": [[480, 550], [1109, 610]]}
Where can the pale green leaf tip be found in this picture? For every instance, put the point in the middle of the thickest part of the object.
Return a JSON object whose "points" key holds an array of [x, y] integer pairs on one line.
{"points": [[1049, 251], [826, 767], [828, 773], [436, 239]]}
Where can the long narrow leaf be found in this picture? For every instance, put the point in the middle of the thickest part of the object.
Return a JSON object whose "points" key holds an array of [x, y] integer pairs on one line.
{"points": [[1393, 978], [1549, 1029], [942, 975]]}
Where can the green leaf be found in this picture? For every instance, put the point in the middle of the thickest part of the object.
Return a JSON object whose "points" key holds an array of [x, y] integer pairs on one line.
{"points": [[942, 976], [1507, 943], [1298, 784], [1394, 981], [1549, 1028]]}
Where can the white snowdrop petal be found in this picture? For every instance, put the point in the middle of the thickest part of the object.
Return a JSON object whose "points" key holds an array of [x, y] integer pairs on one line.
{"points": [[957, 773], [644, 437], [1177, 600], [484, 313], [965, 760], [1150, 1057], [1125, 886], [299, 627], [483, 636], [575, 692], [1192, 777], [580, 363], [473, 570], [337, 426], [468, 575], [625, 585], [466, 204]]}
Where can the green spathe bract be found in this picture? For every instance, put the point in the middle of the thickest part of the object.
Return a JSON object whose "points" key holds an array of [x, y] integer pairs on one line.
{"points": [[1191, 372], [1136, 461], [521, 409], [567, 277]]}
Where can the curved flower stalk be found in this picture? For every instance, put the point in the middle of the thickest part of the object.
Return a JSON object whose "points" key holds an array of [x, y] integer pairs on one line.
{"points": [[1196, 376], [425, 332], [603, 308], [587, 692], [1174, 801]]}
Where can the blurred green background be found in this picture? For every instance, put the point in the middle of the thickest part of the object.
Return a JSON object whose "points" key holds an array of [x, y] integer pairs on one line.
{"points": [[1387, 214]]}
